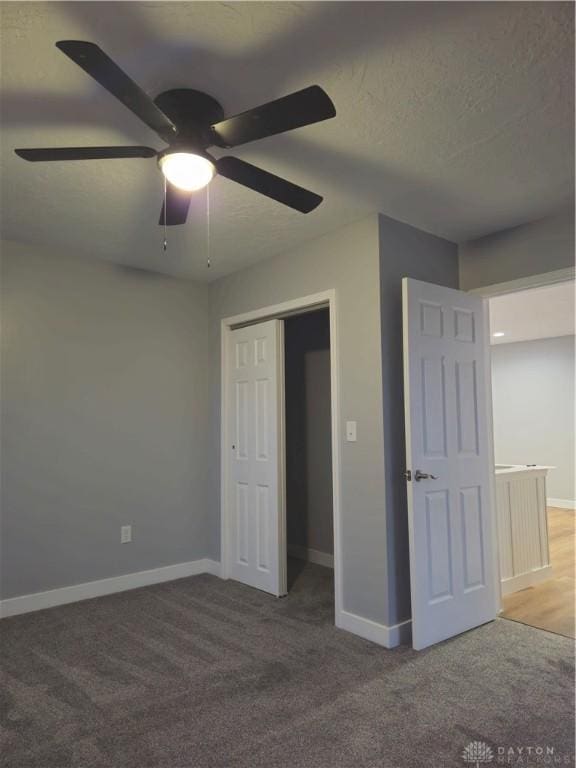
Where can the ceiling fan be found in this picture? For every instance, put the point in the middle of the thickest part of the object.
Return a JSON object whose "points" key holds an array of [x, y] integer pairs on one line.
{"points": [[190, 122]]}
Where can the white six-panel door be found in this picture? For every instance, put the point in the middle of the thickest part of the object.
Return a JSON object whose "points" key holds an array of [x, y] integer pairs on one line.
{"points": [[451, 515], [256, 545]]}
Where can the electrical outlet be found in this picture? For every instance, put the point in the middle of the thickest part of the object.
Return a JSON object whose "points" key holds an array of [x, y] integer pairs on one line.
{"points": [[125, 534]]}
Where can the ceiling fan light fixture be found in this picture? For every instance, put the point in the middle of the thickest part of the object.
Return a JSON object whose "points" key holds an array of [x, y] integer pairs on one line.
{"points": [[190, 122], [187, 170]]}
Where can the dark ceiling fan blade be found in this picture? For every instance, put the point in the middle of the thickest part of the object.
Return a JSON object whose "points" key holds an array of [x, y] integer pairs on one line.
{"points": [[268, 184], [83, 153], [311, 105], [177, 205], [98, 65]]}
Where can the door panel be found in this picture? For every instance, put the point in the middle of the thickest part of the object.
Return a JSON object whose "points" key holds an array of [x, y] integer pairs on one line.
{"points": [[451, 509], [438, 538], [243, 523], [256, 551], [472, 538], [433, 407]]}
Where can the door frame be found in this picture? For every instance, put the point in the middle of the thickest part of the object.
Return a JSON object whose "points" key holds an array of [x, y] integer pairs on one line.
{"points": [[279, 311], [487, 292], [490, 436], [541, 280]]}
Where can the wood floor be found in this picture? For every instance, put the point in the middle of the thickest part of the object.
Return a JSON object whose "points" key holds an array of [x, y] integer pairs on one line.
{"points": [[550, 605]]}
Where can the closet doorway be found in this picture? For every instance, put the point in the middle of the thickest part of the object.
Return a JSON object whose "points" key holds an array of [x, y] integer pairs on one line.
{"points": [[281, 463], [308, 451]]}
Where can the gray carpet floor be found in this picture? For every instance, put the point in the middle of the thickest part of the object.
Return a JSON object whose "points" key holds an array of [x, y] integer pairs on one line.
{"points": [[202, 673]]}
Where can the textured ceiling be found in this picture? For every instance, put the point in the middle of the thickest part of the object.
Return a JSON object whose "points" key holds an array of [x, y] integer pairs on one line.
{"points": [[454, 117], [538, 313]]}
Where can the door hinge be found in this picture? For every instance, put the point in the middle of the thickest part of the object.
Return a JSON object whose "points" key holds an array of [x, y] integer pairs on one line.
{"points": [[408, 474]]}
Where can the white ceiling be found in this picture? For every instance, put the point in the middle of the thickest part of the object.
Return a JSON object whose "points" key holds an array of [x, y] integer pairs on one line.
{"points": [[454, 117], [538, 313]]}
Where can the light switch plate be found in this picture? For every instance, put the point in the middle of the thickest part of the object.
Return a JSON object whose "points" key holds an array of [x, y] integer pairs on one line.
{"points": [[125, 534], [351, 431]]}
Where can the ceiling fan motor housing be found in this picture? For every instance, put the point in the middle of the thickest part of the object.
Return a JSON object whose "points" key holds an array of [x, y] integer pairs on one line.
{"points": [[193, 113]]}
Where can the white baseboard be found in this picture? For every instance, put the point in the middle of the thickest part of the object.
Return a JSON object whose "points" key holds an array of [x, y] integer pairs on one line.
{"points": [[40, 600], [320, 558], [388, 636], [312, 556], [210, 566], [562, 504], [525, 580]]}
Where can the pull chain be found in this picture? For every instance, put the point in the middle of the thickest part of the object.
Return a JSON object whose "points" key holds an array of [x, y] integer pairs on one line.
{"points": [[208, 260], [165, 215]]}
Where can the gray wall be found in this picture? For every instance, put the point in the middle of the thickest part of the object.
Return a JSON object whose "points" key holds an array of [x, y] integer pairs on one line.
{"points": [[104, 420], [532, 249], [308, 432], [346, 260], [533, 395], [112, 394], [404, 252]]}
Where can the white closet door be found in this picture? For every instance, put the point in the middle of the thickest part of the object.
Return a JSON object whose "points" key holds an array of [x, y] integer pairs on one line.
{"points": [[256, 551], [451, 506]]}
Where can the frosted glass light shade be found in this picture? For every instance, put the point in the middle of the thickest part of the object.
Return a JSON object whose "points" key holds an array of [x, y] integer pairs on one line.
{"points": [[186, 170]]}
